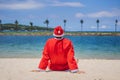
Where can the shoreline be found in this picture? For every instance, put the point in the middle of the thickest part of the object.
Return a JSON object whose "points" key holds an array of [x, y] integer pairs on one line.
{"points": [[76, 58], [20, 69], [47, 33]]}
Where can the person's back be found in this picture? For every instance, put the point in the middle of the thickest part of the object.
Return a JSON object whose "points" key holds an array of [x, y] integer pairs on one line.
{"points": [[58, 53]]}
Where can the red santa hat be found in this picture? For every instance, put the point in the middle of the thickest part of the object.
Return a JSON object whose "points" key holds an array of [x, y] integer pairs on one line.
{"points": [[58, 31]]}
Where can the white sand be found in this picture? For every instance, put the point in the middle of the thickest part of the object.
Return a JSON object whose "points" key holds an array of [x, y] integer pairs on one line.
{"points": [[19, 69]]}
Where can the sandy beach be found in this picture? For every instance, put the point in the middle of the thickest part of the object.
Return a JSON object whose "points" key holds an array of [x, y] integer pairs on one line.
{"points": [[96, 69]]}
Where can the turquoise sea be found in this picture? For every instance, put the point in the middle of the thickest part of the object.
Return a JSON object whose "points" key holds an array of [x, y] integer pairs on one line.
{"points": [[86, 47]]}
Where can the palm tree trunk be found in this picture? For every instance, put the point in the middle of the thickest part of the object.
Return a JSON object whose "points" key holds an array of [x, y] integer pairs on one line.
{"points": [[97, 27], [47, 27], [64, 26], [81, 27], [115, 27]]}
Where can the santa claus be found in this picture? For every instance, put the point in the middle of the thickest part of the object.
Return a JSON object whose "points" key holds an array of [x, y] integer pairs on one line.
{"points": [[58, 54]]}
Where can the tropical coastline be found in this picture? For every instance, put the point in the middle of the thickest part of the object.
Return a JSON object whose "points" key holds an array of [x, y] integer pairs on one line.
{"points": [[92, 26], [95, 69], [44, 33]]}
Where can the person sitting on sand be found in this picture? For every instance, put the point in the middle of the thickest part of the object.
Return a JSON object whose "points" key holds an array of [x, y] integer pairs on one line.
{"points": [[58, 54]]}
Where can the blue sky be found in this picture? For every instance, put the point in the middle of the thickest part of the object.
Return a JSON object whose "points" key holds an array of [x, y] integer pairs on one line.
{"points": [[37, 11]]}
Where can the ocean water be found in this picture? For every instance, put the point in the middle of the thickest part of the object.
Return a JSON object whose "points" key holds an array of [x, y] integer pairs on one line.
{"points": [[86, 47]]}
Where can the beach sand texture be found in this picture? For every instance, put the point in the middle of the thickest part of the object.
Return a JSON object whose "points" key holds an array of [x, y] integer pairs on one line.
{"points": [[20, 69]]}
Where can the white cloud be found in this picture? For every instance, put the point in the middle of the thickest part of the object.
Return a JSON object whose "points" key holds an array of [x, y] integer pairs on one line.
{"points": [[33, 4], [29, 4], [113, 13], [68, 4], [93, 27], [102, 14], [103, 27], [79, 15]]}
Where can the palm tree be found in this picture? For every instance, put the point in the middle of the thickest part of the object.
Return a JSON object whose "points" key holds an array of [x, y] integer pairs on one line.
{"points": [[97, 21], [81, 21], [16, 25], [64, 23], [116, 21], [0, 25], [46, 22], [31, 25]]}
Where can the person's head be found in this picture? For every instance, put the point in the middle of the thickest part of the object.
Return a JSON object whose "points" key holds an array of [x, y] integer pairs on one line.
{"points": [[58, 32]]}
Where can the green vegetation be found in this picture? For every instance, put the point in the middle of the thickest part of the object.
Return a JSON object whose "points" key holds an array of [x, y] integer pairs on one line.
{"points": [[27, 33], [20, 29]]}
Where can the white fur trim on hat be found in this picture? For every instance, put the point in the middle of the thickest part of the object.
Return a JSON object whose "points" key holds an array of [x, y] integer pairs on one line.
{"points": [[58, 35]]}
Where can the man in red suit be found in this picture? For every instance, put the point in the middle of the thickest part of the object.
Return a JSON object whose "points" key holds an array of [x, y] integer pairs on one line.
{"points": [[58, 54]]}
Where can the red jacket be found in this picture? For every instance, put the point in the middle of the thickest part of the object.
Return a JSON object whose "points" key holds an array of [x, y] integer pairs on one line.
{"points": [[58, 55]]}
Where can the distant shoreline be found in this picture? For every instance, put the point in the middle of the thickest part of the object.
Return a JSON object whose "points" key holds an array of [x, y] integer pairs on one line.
{"points": [[47, 33]]}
